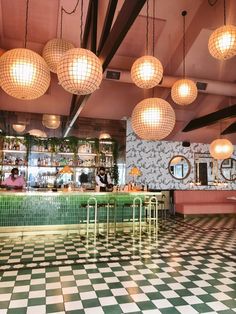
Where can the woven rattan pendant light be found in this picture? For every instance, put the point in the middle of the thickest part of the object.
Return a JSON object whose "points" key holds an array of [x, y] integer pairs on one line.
{"points": [[147, 71], [153, 119], [24, 73], [79, 70], [56, 47], [221, 148], [184, 91], [222, 42]]}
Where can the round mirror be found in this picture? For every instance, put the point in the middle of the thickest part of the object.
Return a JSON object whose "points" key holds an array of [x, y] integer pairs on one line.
{"points": [[228, 169], [179, 167]]}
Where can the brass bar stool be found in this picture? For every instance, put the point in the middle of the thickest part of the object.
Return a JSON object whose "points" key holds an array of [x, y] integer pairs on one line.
{"points": [[137, 203], [152, 206], [111, 205], [90, 206]]}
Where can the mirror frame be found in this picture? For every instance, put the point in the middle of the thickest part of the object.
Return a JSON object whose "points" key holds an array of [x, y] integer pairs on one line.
{"points": [[189, 167], [231, 180]]}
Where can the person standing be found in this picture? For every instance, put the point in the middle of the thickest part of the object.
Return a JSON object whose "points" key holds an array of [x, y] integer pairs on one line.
{"points": [[103, 179], [14, 181]]}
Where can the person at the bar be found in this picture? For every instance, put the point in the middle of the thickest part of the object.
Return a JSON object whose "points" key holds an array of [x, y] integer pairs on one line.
{"points": [[14, 181], [103, 180]]}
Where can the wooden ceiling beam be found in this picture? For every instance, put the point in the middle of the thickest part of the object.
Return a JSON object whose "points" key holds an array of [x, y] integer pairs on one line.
{"points": [[107, 23], [126, 17], [211, 118], [230, 129]]}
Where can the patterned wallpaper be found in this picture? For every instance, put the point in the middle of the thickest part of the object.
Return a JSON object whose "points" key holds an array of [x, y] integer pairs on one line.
{"points": [[152, 158]]}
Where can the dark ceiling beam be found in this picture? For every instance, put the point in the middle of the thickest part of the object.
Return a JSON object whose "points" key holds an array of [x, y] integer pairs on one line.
{"points": [[230, 129], [127, 15], [94, 26], [87, 26], [107, 23], [211, 118]]}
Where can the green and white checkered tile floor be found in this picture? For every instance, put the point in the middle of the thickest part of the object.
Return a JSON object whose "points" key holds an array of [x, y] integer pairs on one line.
{"points": [[185, 270]]}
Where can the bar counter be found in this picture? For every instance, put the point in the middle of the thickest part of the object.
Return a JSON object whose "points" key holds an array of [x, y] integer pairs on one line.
{"points": [[62, 208]]}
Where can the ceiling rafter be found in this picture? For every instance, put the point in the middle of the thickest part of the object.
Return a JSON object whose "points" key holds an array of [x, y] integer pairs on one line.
{"points": [[230, 129], [127, 15], [211, 118]]}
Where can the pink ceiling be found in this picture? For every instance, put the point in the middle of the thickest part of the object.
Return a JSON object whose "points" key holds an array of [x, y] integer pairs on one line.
{"points": [[116, 100]]}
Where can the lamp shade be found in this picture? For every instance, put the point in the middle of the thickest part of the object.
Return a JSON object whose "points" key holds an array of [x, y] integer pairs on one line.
{"points": [[19, 128], [66, 169], [184, 92], [51, 121], [153, 119], [104, 136], [221, 149], [38, 133], [147, 72], [79, 71], [134, 172], [54, 50], [222, 42], [24, 74]]}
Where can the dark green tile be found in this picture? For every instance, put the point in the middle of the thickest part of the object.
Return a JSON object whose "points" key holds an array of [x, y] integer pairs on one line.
{"points": [[146, 305], [124, 299], [51, 308], [20, 295], [91, 303], [177, 301], [17, 311], [36, 301], [202, 308], [114, 309]]}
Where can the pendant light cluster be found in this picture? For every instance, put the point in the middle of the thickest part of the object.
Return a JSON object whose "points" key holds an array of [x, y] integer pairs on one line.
{"points": [[222, 42], [152, 118], [184, 91], [79, 70], [24, 73]]}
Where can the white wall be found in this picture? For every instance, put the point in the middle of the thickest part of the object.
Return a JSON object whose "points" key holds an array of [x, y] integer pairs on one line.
{"points": [[152, 158]]}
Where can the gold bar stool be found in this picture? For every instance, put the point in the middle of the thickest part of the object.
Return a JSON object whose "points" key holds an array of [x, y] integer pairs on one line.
{"points": [[152, 206], [137, 203], [92, 203], [111, 205]]}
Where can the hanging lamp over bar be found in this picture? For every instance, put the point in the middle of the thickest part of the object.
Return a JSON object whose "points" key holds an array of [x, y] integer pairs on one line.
{"points": [[184, 91]]}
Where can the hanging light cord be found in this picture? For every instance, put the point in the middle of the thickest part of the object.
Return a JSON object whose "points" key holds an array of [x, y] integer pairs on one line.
{"points": [[67, 12], [81, 23], [26, 23], [184, 13], [224, 13], [147, 27], [153, 29]]}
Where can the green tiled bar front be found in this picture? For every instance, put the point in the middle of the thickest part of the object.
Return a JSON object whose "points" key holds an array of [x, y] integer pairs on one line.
{"points": [[61, 208]]}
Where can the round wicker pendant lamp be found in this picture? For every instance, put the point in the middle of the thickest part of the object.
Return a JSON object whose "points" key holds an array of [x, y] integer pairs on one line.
{"points": [[222, 42], [79, 70], [24, 74], [51, 121], [153, 119], [221, 149], [147, 71], [184, 91], [54, 50], [19, 128]]}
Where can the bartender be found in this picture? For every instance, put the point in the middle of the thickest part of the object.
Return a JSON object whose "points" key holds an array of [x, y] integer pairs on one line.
{"points": [[103, 179], [14, 181]]}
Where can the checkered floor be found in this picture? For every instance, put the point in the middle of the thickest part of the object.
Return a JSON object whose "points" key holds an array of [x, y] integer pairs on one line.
{"points": [[184, 270]]}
